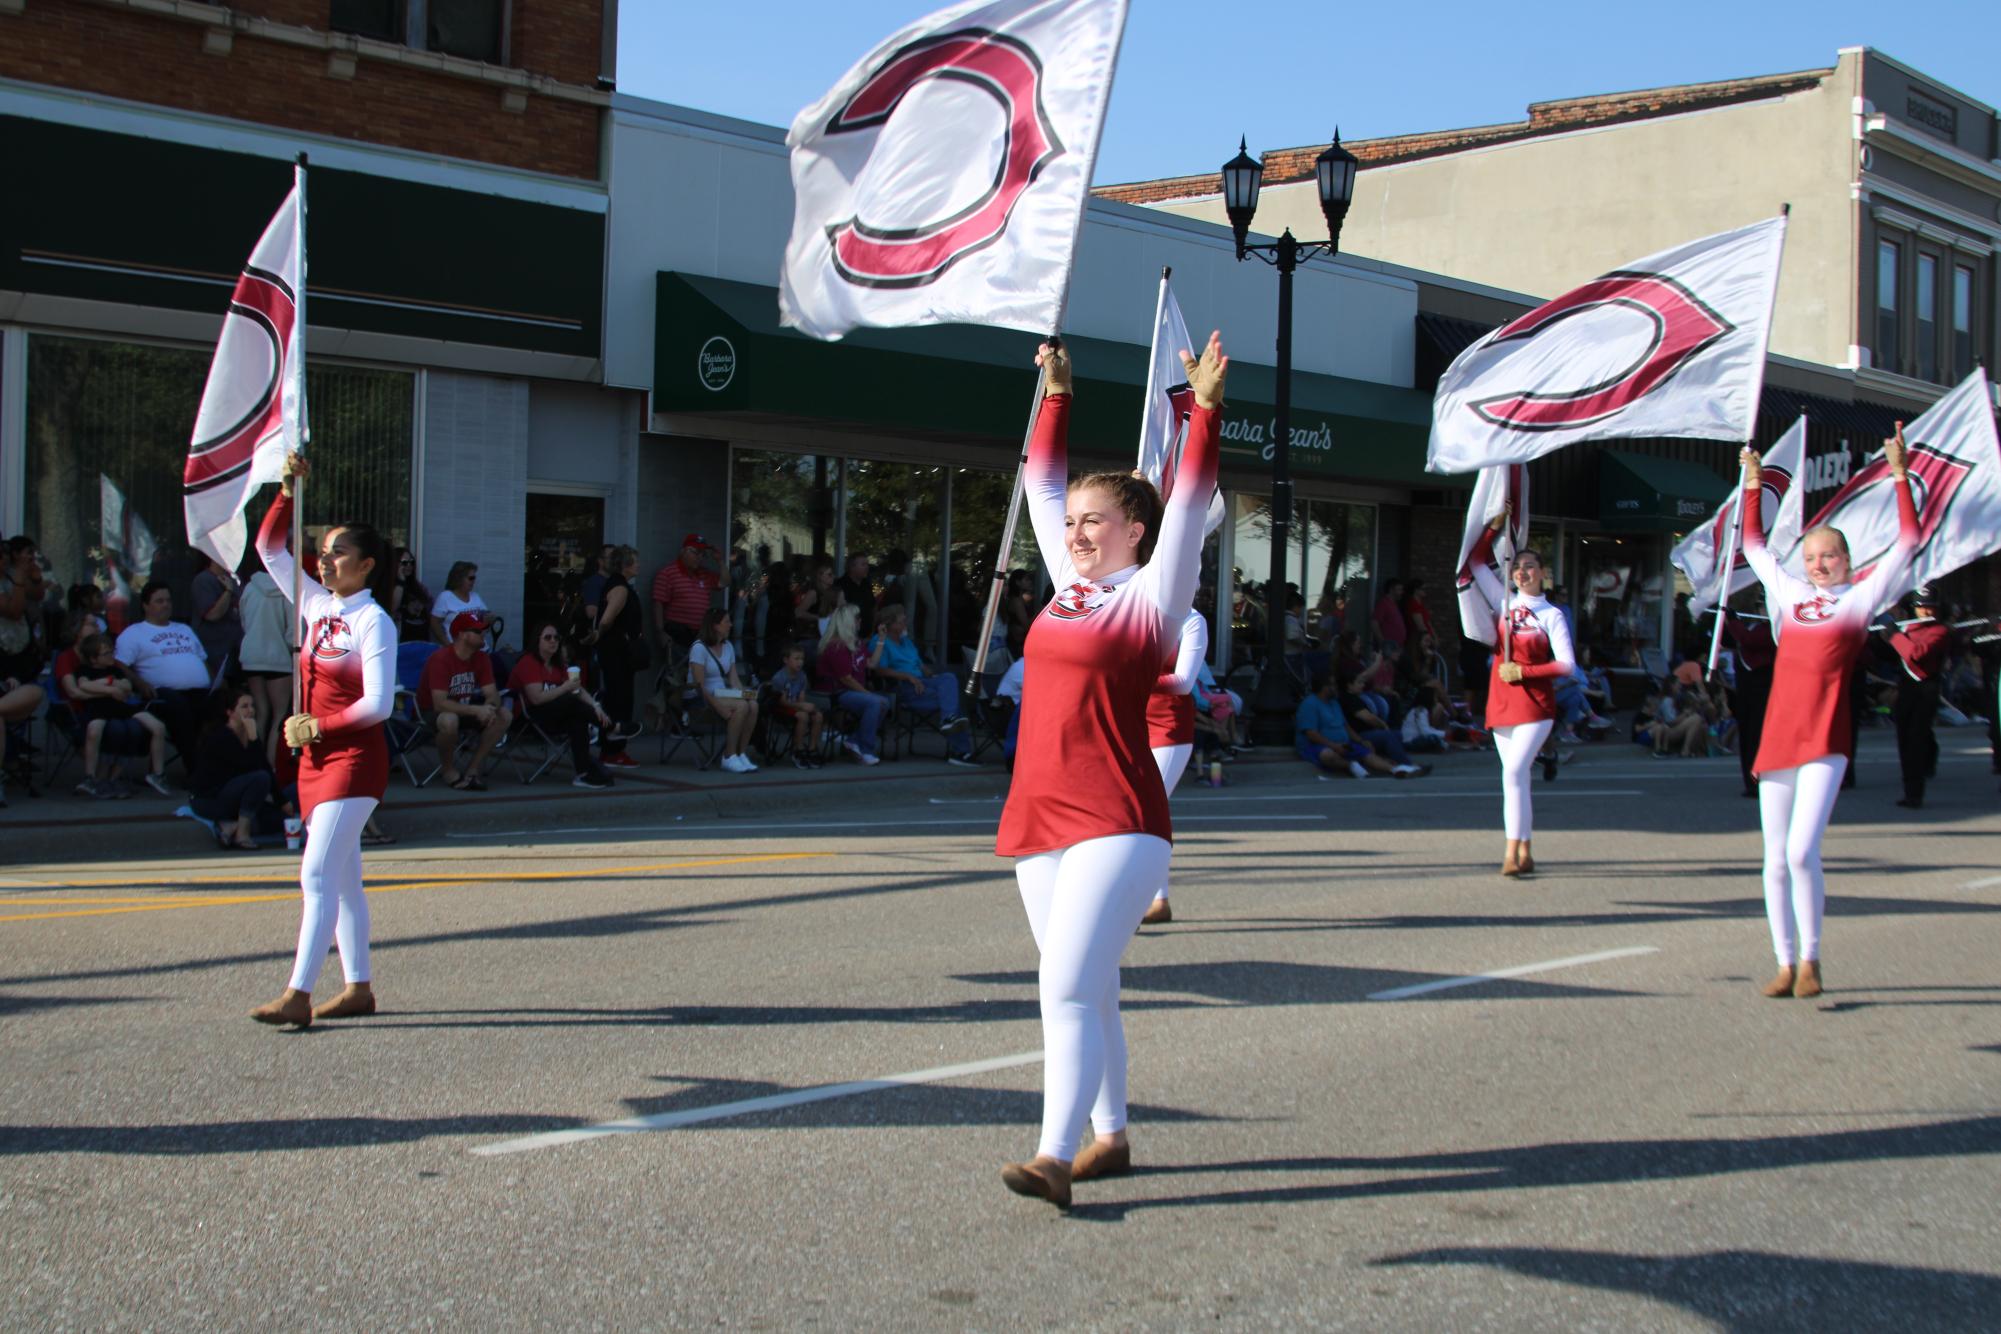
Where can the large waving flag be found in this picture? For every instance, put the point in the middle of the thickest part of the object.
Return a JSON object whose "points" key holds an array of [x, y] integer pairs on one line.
{"points": [[253, 408], [1703, 553], [1163, 425], [1673, 345], [943, 179], [1954, 462], [1495, 489]]}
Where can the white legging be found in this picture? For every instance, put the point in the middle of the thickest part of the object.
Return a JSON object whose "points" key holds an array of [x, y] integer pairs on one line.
{"points": [[330, 879], [1518, 745], [1084, 902], [1793, 806], [1173, 762]]}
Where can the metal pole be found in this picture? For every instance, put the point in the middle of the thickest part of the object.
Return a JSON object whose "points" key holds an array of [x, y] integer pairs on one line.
{"points": [[1729, 563], [999, 588], [1274, 701]]}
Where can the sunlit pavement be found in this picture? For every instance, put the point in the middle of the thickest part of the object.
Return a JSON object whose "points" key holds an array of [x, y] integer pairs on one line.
{"points": [[659, 1063]]}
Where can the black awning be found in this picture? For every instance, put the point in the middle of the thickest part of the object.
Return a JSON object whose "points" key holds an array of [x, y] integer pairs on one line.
{"points": [[1440, 339], [1866, 422]]}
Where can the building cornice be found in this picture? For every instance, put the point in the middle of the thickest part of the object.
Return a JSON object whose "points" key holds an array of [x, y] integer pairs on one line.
{"points": [[1882, 132], [1875, 187]]}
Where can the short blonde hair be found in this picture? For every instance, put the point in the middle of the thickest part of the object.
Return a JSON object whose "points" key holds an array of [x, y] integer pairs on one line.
{"points": [[841, 625]]}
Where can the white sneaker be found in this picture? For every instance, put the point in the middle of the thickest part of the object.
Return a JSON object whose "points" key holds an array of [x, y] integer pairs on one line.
{"points": [[1355, 768], [733, 763], [750, 766], [859, 753]]}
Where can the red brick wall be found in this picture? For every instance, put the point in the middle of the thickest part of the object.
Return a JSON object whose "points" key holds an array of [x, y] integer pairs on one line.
{"points": [[1434, 557], [92, 48]]}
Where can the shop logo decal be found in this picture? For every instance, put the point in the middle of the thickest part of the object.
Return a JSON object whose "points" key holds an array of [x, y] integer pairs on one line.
{"points": [[716, 365]]}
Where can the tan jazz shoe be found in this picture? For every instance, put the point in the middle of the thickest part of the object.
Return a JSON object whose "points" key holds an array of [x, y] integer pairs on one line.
{"points": [[294, 1007], [358, 999], [1158, 915], [1527, 861], [1511, 864], [1781, 986], [1042, 1179], [1808, 982], [1102, 1159]]}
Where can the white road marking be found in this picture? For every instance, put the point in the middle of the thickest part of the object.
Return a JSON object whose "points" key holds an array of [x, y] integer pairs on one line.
{"points": [[747, 1106], [765, 827], [1474, 979], [1406, 792], [1988, 883]]}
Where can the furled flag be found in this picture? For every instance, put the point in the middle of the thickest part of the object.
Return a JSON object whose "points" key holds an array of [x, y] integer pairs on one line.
{"points": [[253, 408], [1163, 425], [943, 179], [1671, 345], [1495, 489], [1700, 555], [1954, 462]]}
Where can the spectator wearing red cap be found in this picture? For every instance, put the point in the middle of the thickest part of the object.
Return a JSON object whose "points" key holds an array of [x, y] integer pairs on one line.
{"points": [[457, 685], [683, 590]]}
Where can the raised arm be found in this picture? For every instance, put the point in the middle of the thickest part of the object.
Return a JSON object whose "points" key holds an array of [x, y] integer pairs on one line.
{"points": [[1887, 579], [1479, 583], [1188, 661], [278, 561], [1046, 485], [1779, 585], [1177, 557]]}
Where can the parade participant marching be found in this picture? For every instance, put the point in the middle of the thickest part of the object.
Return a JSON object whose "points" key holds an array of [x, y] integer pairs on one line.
{"points": [[1752, 640], [347, 673], [1821, 626], [1922, 646], [1086, 819], [1170, 729], [1533, 639]]}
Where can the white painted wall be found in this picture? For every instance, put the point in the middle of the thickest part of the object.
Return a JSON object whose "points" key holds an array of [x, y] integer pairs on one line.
{"points": [[711, 196], [475, 477]]}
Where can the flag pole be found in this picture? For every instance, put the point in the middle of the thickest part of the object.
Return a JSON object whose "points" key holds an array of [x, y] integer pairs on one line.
{"points": [[999, 588], [1729, 564], [305, 436]]}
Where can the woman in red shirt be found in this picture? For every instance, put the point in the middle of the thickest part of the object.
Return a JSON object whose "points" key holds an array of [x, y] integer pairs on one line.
{"points": [[1086, 817], [553, 693]]}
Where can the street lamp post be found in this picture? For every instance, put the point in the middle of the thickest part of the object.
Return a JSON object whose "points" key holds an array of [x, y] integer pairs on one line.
{"points": [[1243, 178]]}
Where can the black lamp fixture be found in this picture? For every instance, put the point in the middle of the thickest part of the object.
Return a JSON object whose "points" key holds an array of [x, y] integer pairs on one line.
{"points": [[1243, 180]]}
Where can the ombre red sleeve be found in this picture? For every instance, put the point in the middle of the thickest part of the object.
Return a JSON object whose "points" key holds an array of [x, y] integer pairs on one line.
{"points": [[1178, 554], [1046, 482]]}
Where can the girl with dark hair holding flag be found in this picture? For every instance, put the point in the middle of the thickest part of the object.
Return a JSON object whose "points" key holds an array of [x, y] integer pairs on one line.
{"points": [[347, 675], [1821, 625], [1086, 818]]}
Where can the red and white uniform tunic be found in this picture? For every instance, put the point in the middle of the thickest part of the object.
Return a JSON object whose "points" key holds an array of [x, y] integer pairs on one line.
{"points": [[1170, 709], [347, 670], [1528, 631], [1083, 768], [1923, 648], [1820, 632]]}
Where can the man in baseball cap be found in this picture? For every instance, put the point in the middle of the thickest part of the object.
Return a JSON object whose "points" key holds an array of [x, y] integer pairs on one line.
{"points": [[1921, 643], [456, 693], [683, 590]]}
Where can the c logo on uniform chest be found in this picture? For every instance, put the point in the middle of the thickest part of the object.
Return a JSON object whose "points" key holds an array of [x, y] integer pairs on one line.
{"points": [[1080, 600], [326, 646], [1815, 610]]}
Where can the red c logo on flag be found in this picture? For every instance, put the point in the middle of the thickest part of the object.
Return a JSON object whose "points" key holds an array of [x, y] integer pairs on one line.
{"points": [[1683, 328], [1009, 72], [260, 309]]}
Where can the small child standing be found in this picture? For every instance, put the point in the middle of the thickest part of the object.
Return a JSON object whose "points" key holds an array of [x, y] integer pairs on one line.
{"points": [[788, 685]]}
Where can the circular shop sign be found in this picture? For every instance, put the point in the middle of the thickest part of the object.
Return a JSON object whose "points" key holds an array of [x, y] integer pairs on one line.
{"points": [[716, 365]]}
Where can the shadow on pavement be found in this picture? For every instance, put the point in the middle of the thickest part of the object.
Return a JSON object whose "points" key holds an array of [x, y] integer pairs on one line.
{"points": [[1265, 982], [15, 1006], [1751, 1291], [914, 1105], [279, 1134], [1533, 1166]]}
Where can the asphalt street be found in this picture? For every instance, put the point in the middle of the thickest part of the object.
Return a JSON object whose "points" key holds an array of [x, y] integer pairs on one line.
{"points": [[665, 1062]]}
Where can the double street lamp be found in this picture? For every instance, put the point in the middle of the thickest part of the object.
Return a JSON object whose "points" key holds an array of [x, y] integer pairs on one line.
{"points": [[1243, 179]]}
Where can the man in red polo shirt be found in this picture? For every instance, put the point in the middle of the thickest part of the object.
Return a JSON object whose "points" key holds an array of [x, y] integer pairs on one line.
{"points": [[684, 590]]}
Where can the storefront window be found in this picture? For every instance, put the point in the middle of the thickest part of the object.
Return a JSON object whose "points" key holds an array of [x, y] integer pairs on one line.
{"points": [[1616, 598], [108, 427], [1330, 561]]}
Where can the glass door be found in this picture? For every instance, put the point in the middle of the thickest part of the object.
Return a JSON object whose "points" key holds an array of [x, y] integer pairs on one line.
{"points": [[563, 531]]}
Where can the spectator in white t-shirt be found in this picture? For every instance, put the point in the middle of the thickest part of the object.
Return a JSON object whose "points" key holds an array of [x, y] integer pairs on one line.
{"points": [[459, 597], [170, 664]]}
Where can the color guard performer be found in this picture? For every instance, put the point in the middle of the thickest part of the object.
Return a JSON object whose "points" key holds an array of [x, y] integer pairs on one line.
{"points": [[1922, 646]]}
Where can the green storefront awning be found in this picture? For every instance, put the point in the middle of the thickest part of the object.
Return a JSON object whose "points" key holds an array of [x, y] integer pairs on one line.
{"points": [[718, 347], [1639, 492]]}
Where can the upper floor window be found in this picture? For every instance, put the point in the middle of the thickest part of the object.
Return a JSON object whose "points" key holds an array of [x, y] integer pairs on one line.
{"points": [[1889, 263], [1925, 346], [474, 29], [1962, 321]]}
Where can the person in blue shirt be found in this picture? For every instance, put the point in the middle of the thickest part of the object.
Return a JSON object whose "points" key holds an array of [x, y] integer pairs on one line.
{"points": [[893, 656], [1320, 731]]}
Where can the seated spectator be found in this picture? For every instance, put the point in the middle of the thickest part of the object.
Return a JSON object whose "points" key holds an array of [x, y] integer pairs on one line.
{"points": [[1682, 720], [1223, 710], [409, 601], [788, 686], [86, 603], [460, 597], [231, 781], [1320, 733], [1355, 667], [1422, 666], [684, 591], [169, 664], [552, 694], [457, 685], [843, 676], [115, 723], [712, 674], [893, 656], [217, 624]]}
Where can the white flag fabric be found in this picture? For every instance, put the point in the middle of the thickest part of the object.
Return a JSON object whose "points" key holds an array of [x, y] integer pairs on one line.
{"points": [[1701, 555], [1164, 423], [1671, 345], [1954, 462], [943, 179], [253, 406], [1495, 489]]}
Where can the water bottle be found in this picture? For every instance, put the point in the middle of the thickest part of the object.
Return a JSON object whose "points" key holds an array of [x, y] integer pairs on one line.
{"points": [[1215, 773]]}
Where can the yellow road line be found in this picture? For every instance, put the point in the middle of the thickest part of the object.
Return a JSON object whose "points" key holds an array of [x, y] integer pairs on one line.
{"points": [[392, 886]]}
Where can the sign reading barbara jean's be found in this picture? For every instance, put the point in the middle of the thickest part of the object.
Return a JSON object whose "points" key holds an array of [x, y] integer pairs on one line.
{"points": [[1241, 434], [716, 364]]}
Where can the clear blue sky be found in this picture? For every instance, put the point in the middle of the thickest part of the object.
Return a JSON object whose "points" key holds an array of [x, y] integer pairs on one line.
{"points": [[1193, 76]]}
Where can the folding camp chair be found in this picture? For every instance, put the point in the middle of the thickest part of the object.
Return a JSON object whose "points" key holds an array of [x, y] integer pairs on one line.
{"points": [[408, 730]]}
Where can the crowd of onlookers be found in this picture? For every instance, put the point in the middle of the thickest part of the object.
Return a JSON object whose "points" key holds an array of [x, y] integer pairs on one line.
{"points": [[181, 687]]}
